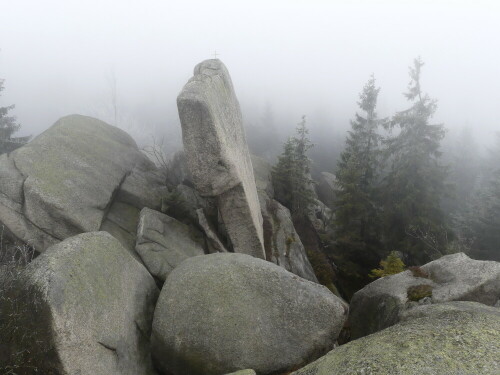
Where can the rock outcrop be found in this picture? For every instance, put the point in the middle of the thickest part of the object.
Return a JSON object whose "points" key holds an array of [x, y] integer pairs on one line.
{"points": [[447, 339], [453, 277], [282, 243], [80, 175], [164, 242], [217, 153], [99, 301], [220, 313]]}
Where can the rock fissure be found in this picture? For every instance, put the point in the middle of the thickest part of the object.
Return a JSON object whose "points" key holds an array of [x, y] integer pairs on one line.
{"points": [[108, 347], [113, 197]]}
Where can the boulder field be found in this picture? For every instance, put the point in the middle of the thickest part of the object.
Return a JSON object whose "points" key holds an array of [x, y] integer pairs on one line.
{"points": [[199, 270]]}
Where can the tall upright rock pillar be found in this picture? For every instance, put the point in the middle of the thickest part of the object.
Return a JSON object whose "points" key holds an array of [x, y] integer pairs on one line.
{"points": [[217, 153]]}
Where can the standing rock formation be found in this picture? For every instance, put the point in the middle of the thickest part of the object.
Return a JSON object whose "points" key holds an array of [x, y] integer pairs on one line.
{"points": [[217, 153], [224, 312]]}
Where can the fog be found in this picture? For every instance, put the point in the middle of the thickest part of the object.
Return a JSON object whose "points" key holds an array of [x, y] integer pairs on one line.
{"points": [[286, 57]]}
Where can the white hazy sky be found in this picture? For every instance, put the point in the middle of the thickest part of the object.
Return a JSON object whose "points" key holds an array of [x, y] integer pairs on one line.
{"points": [[302, 57]]}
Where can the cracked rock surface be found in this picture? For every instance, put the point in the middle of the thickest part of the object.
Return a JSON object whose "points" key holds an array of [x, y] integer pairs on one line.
{"points": [[164, 242], [68, 179]]}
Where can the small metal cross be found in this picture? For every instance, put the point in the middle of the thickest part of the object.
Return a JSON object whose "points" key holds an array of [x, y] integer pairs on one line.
{"points": [[216, 54]]}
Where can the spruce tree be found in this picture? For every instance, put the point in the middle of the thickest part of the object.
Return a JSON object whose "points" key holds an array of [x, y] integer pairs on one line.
{"points": [[356, 207], [291, 175], [357, 172], [8, 126], [479, 221], [415, 183]]}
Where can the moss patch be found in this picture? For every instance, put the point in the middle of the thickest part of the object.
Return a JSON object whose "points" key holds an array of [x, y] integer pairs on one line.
{"points": [[417, 292]]}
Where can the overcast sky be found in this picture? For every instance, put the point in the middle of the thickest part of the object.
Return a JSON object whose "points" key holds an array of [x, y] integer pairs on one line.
{"points": [[300, 57]]}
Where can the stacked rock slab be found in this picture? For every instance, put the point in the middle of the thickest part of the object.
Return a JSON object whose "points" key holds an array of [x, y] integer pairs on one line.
{"points": [[164, 242], [98, 303], [68, 179], [217, 153]]}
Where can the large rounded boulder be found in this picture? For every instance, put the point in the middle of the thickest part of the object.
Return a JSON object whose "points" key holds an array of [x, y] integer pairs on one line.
{"points": [[85, 306], [220, 313], [80, 175]]}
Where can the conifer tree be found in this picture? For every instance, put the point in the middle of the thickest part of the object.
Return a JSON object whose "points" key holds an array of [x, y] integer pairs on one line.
{"points": [[415, 183], [357, 173], [291, 175], [358, 246], [479, 221], [8, 126]]}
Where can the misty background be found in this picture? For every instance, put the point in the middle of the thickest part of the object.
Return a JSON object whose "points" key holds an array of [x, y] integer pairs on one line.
{"points": [[286, 59]]}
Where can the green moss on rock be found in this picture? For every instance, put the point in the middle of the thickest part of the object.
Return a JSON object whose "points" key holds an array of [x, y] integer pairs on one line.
{"points": [[447, 339], [417, 292]]}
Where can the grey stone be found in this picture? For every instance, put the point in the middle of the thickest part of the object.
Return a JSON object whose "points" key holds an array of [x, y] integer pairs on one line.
{"points": [[465, 279], [282, 243], [101, 302], [217, 153], [219, 313], [193, 201], [164, 242], [461, 338], [67, 180], [143, 187], [243, 372], [453, 277], [215, 244]]}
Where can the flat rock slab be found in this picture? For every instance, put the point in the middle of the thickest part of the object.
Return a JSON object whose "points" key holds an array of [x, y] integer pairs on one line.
{"points": [[164, 242], [457, 338], [223, 312], [100, 303], [217, 153]]}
